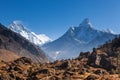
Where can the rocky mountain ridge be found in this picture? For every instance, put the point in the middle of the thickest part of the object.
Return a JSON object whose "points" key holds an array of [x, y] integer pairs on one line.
{"points": [[15, 43]]}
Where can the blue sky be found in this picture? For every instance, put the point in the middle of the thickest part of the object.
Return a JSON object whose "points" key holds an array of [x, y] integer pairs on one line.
{"points": [[54, 17]]}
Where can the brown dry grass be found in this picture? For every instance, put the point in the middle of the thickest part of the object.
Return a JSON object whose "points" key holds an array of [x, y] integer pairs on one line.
{"points": [[6, 55]]}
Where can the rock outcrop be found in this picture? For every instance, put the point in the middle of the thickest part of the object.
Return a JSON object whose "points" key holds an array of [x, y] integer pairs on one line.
{"points": [[75, 69]]}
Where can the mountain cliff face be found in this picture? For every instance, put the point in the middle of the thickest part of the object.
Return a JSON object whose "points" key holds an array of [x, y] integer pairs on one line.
{"points": [[19, 28], [15, 43], [77, 39]]}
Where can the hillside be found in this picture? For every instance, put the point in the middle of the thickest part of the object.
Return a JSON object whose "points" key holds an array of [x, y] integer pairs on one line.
{"points": [[15, 43], [75, 69], [6, 55], [96, 65]]}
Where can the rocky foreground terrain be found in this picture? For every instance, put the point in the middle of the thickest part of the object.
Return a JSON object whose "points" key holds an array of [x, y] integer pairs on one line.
{"points": [[76, 69], [88, 66]]}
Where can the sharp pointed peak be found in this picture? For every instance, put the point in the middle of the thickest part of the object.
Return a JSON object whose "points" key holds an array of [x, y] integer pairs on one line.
{"points": [[86, 23], [86, 20], [18, 25]]}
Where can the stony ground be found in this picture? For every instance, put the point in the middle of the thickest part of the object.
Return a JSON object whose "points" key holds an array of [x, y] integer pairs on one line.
{"points": [[101, 64], [76, 69]]}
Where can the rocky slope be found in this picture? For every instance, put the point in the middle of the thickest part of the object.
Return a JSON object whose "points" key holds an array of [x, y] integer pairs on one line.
{"points": [[102, 63], [75, 69], [15, 43]]}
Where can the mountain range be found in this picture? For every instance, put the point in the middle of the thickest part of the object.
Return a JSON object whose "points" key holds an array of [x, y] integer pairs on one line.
{"points": [[77, 39]]}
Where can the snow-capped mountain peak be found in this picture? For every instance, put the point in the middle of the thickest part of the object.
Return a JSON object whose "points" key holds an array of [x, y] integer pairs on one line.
{"points": [[77, 39], [18, 27], [86, 23]]}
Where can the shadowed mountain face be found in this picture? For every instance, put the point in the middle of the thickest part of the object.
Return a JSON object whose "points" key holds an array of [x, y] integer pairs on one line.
{"points": [[11, 41], [77, 39]]}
